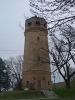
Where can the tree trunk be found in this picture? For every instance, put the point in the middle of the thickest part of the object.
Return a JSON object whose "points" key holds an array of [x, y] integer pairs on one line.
{"points": [[67, 83]]}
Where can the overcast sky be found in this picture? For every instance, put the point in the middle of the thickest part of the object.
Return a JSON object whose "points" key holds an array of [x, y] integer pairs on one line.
{"points": [[11, 35]]}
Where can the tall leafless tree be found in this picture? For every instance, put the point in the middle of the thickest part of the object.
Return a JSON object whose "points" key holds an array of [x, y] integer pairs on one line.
{"points": [[14, 67], [63, 52]]}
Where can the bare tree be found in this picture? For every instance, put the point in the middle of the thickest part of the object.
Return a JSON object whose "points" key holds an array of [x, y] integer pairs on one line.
{"points": [[63, 52], [14, 67], [55, 12]]}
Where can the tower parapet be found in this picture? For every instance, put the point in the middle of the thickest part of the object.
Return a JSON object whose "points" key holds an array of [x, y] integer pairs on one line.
{"points": [[35, 24]]}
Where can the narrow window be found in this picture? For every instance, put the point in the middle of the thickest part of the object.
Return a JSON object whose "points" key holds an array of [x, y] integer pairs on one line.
{"points": [[43, 78], [34, 78], [37, 23], [38, 58], [44, 25], [27, 82], [38, 38], [48, 83], [29, 24]]}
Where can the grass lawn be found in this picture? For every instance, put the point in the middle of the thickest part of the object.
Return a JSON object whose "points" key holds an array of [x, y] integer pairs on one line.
{"points": [[61, 91], [62, 84], [31, 94], [65, 93]]}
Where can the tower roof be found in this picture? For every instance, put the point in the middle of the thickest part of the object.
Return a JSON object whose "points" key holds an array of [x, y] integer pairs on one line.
{"points": [[36, 18]]}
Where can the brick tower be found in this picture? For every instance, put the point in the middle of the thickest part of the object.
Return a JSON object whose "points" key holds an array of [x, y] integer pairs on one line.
{"points": [[36, 72]]}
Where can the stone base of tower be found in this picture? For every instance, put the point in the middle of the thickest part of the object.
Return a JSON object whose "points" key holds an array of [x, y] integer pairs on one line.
{"points": [[37, 79]]}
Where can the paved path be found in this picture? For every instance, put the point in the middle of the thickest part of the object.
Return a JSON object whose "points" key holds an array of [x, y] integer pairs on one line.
{"points": [[49, 94]]}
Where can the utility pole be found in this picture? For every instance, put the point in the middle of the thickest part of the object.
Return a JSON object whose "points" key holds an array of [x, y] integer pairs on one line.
{"points": [[54, 76]]}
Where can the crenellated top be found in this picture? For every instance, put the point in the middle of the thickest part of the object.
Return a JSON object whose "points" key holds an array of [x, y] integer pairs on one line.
{"points": [[35, 23]]}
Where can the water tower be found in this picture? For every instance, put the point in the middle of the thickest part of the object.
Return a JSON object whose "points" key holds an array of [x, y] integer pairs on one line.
{"points": [[36, 70]]}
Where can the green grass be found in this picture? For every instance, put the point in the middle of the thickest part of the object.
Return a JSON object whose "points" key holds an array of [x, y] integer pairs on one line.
{"points": [[62, 85], [65, 93], [21, 95], [61, 91]]}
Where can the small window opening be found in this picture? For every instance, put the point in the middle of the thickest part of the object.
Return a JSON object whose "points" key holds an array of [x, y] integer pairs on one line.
{"points": [[43, 78], [37, 23], [44, 25], [48, 83], [38, 38], [29, 24], [38, 58], [27, 82], [34, 78]]}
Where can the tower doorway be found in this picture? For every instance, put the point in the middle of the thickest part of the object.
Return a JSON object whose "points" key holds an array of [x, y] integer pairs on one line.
{"points": [[39, 84]]}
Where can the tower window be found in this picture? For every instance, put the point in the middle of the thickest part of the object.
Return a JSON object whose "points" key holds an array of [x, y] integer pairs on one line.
{"points": [[29, 24], [38, 58], [34, 78], [27, 82], [44, 25], [38, 38], [48, 83], [43, 78], [37, 23]]}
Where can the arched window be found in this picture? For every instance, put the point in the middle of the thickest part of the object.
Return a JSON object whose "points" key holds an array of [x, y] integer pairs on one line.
{"points": [[38, 38], [34, 78], [44, 25], [27, 83], [48, 83], [38, 58], [37, 23], [29, 24], [43, 78]]}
